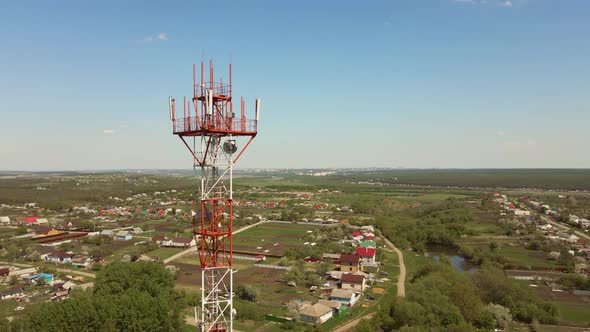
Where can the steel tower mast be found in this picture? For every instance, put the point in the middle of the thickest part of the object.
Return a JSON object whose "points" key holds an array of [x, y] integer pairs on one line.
{"points": [[212, 133]]}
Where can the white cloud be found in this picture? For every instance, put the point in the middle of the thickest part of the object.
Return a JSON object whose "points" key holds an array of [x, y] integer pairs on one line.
{"points": [[108, 131], [162, 36], [500, 133], [506, 3]]}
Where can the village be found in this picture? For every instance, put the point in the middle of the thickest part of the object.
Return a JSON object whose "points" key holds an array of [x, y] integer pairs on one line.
{"points": [[49, 253]]}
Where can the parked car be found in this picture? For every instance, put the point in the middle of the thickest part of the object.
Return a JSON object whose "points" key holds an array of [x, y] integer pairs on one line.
{"points": [[369, 297]]}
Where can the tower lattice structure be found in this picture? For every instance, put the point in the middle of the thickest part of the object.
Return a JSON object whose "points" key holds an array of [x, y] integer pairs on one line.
{"points": [[212, 133]]}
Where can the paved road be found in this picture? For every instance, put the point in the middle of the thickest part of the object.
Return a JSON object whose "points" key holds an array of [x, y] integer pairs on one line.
{"points": [[401, 282], [194, 249]]}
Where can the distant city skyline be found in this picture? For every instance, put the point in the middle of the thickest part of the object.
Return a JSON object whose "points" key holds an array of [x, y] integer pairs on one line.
{"points": [[402, 83]]}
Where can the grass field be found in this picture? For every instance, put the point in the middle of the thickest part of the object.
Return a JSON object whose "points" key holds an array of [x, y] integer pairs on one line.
{"points": [[517, 256], [268, 234], [574, 313], [163, 253]]}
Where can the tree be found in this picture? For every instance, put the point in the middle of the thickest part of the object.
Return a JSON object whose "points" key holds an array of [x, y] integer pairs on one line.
{"points": [[500, 314], [493, 245], [246, 292], [127, 297]]}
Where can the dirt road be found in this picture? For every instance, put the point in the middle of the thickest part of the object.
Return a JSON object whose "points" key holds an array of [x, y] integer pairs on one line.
{"points": [[564, 227], [401, 281], [352, 324]]}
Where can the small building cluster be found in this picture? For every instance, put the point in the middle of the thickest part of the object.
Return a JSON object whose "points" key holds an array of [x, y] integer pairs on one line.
{"points": [[344, 286]]}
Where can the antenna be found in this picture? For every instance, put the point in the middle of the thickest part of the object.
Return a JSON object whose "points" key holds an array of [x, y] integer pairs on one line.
{"points": [[171, 107], [257, 108], [210, 101]]}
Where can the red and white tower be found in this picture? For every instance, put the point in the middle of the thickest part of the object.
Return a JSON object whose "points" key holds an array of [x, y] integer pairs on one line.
{"points": [[213, 133]]}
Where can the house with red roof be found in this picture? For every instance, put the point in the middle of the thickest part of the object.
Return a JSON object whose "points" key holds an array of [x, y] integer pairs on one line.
{"points": [[350, 262], [353, 281], [31, 220], [367, 255]]}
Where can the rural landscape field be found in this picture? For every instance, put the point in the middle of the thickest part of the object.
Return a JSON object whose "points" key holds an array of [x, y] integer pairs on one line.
{"points": [[474, 255]]}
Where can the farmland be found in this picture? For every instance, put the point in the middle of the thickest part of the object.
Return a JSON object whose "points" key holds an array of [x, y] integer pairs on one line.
{"points": [[272, 238]]}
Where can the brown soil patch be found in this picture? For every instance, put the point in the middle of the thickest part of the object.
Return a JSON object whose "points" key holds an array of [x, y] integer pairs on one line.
{"points": [[377, 290]]}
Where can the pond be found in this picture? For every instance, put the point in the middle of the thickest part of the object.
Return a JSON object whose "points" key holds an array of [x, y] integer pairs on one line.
{"points": [[459, 263]]}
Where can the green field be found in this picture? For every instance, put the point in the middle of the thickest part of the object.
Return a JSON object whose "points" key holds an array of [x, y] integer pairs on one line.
{"points": [[518, 256], [574, 313], [275, 237], [163, 253]]}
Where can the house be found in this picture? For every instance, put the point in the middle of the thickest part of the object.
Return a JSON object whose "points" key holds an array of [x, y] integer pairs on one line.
{"points": [[60, 291], [42, 221], [179, 242], [46, 231], [4, 272], [4, 220], [123, 235], [350, 262], [346, 296], [368, 244], [59, 257], [368, 228], [332, 257], [572, 239], [30, 220], [107, 232], [337, 307], [81, 262], [41, 276], [367, 255], [159, 239], [11, 293], [336, 275], [353, 281], [522, 213], [316, 313]]}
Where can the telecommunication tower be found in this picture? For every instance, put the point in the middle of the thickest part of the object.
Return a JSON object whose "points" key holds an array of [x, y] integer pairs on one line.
{"points": [[212, 133]]}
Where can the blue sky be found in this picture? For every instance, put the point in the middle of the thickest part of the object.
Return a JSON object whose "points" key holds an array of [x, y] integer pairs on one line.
{"points": [[398, 83]]}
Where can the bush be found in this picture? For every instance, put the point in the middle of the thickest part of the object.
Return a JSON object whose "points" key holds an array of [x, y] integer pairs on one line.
{"points": [[246, 292]]}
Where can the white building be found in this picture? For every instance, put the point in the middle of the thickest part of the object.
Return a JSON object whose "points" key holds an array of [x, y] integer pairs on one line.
{"points": [[522, 213], [316, 314]]}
